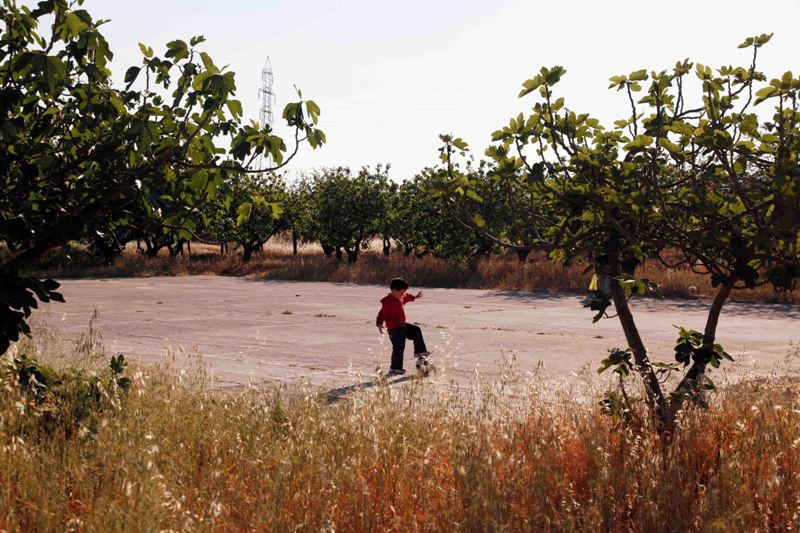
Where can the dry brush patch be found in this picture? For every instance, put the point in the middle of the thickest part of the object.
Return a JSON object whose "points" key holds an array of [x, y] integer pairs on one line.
{"points": [[520, 453], [276, 261]]}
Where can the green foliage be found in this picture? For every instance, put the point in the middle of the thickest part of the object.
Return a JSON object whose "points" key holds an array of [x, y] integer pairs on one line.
{"points": [[250, 212], [638, 287], [83, 159], [613, 404], [597, 301], [423, 225], [622, 192], [298, 210], [690, 347], [618, 404], [18, 297], [68, 400], [620, 360], [345, 210]]}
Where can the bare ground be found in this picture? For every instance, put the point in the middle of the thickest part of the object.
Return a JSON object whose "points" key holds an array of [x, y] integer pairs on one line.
{"points": [[324, 333]]}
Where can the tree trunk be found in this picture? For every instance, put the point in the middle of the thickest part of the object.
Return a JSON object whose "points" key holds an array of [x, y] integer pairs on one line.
{"points": [[151, 250], [655, 397], [327, 249], [294, 242], [522, 254], [352, 255], [696, 372], [339, 254], [247, 253], [387, 246], [107, 251]]}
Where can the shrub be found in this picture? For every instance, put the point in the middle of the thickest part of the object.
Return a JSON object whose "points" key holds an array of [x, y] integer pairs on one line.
{"points": [[64, 401]]}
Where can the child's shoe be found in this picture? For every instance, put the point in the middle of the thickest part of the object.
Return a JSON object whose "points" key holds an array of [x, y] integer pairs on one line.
{"points": [[396, 371]]}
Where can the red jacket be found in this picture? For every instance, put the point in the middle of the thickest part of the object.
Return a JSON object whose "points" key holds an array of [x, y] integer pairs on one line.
{"points": [[392, 311]]}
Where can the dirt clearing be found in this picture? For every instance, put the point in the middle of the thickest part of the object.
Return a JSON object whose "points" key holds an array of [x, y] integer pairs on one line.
{"points": [[324, 333]]}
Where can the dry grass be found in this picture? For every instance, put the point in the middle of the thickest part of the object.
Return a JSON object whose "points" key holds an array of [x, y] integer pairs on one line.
{"points": [[277, 262], [518, 454]]}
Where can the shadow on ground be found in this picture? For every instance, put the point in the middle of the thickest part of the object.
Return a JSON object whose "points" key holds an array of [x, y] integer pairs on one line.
{"points": [[334, 395], [732, 308]]}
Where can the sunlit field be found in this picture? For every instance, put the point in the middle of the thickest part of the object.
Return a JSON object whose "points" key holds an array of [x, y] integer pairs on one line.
{"points": [[526, 452]]}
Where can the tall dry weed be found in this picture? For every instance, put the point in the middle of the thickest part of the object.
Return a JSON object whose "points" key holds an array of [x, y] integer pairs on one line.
{"points": [[523, 452]]}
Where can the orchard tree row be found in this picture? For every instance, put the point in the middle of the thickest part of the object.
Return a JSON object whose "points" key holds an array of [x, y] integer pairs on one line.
{"points": [[340, 210]]}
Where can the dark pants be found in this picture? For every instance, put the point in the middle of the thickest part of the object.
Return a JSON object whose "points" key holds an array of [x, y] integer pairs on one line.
{"points": [[399, 336]]}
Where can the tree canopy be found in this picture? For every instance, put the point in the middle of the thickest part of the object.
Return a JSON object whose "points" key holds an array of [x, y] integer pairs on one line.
{"points": [[83, 158], [251, 212], [347, 209]]}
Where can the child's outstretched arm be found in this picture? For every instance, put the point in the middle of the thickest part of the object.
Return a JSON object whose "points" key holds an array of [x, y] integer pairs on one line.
{"points": [[410, 297]]}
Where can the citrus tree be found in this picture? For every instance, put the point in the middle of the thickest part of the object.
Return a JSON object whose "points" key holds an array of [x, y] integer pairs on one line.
{"points": [[81, 157], [710, 183], [297, 211], [388, 225], [347, 209], [251, 212], [424, 226]]}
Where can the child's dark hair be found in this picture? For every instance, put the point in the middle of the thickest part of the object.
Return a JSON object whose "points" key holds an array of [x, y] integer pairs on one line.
{"points": [[398, 284]]}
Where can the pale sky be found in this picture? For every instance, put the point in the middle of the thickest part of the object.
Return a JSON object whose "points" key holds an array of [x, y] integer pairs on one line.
{"points": [[391, 76]]}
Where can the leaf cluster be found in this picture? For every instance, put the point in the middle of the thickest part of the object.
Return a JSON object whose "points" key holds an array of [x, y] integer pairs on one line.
{"points": [[65, 400], [345, 209]]}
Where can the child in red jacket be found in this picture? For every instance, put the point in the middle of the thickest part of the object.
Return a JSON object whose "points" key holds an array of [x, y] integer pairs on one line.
{"points": [[392, 313]]}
